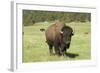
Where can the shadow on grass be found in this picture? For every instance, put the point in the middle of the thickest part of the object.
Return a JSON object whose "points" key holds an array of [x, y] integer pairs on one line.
{"points": [[71, 55]]}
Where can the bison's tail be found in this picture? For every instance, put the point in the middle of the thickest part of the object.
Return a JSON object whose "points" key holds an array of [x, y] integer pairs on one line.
{"points": [[42, 29]]}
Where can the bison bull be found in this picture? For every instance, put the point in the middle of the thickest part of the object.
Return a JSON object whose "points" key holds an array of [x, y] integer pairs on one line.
{"points": [[58, 35]]}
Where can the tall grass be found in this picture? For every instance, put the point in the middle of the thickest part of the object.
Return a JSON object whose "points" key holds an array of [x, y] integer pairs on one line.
{"points": [[35, 48]]}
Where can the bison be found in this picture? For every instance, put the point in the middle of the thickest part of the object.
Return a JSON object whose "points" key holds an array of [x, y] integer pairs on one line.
{"points": [[58, 35]]}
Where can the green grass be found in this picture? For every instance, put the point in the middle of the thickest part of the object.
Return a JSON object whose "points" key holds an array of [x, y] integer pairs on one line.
{"points": [[36, 50]]}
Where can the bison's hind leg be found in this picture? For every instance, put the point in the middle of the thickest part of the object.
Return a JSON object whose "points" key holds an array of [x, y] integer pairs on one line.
{"points": [[50, 49]]}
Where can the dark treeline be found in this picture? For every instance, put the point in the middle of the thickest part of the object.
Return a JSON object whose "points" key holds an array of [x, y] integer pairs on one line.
{"points": [[32, 16]]}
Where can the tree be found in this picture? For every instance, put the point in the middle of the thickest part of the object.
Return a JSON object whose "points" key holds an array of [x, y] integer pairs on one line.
{"points": [[30, 16]]}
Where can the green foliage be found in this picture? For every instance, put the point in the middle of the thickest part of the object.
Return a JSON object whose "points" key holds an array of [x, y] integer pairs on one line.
{"points": [[35, 49], [40, 16]]}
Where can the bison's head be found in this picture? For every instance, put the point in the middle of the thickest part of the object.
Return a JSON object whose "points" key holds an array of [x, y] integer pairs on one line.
{"points": [[66, 34]]}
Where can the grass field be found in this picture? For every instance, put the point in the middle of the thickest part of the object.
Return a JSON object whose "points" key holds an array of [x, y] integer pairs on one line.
{"points": [[36, 50]]}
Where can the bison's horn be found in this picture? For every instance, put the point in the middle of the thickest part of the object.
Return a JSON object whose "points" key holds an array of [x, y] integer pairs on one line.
{"points": [[61, 32]]}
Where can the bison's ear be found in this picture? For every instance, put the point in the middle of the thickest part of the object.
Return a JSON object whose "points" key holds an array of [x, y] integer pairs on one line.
{"points": [[61, 32], [72, 33]]}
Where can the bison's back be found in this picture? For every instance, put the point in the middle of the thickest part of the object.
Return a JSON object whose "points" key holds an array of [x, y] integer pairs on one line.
{"points": [[53, 31]]}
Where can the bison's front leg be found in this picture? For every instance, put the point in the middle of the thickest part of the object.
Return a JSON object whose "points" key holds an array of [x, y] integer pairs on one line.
{"points": [[63, 49], [57, 50], [63, 52]]}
